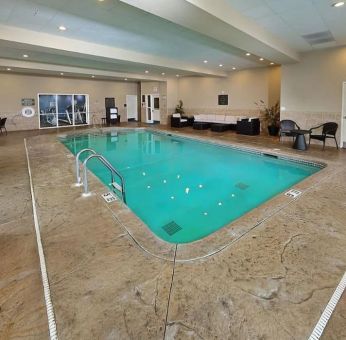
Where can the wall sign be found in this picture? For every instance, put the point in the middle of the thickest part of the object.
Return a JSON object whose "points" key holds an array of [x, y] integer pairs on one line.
{"points": [[223, 99], [28, 102]]}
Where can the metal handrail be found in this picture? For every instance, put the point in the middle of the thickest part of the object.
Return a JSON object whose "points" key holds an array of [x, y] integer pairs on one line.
{"points": [[110, 167], [78, 181]]}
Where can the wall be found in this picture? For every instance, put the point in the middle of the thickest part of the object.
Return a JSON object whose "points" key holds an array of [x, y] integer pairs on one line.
{"points": [[244, 88], [155, 87], [15, 87], [311, 91]]}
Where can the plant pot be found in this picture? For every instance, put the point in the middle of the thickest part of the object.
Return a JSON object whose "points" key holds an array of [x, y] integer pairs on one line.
{"points": [[273, 130]]}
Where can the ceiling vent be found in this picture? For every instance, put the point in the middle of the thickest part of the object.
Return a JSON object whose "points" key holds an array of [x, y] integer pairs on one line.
{"points": [[318, 38]]}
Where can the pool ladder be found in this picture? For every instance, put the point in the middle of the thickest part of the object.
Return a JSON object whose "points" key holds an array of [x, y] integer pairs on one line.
{"points": [[109, 166]]}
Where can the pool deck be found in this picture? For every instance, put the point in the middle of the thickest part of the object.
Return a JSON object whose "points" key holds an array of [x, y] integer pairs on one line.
{"points": [[111, 279]]}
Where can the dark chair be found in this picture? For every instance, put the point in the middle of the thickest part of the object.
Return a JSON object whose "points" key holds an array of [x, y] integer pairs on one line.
{"points": [[178, 121], [286, 127], [249, 127], [328, 131], [2, 124]]}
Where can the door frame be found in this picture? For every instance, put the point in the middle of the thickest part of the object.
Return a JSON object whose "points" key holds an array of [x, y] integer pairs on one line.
{"points": [[343, 114], [147, 106], [153, 96]]}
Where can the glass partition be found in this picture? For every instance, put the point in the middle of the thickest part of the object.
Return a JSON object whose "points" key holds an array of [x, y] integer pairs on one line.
{"points": [[47, 110], [59, 110]]}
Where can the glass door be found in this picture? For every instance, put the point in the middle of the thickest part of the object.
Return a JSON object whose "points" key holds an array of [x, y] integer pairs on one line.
{"points": [[149, 109]]}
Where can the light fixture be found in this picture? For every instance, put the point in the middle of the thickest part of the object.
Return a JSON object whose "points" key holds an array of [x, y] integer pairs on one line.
{"points": [[146, 71], [247, 54], [62, 28], [92, 76], [220, 65], [261, 59], [234, 68], [271, 63], [61, 73], [101, 0], [163, 73], [338, 4], [8, 69], [125, 79], [25, 56], [205, 61], [177, 75]]}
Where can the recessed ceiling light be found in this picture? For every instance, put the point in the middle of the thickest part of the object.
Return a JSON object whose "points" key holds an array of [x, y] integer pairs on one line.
{"points": [[61, 73], [261, 59], [125, 79], [8, 69], [146, 71], [62, 28], [220, 65], [163, 73], [205, 61], [177, 75], [92, 76], [25, 56], [101, 0], [271, 63], [248, 54], [338, 4], [233, 68]]}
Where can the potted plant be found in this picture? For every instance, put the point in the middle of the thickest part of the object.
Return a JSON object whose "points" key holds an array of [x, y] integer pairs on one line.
{"points": [[271, 115], [179, 108]]}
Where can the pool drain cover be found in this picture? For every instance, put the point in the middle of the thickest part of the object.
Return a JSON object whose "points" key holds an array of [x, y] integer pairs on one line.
{"points": [[171, 228], [241, 186]]}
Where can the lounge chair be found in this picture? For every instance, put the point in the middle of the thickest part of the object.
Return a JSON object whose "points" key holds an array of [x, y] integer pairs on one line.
{"points": [[2, 125], [286, 127], [328, 131], [178, 121]]}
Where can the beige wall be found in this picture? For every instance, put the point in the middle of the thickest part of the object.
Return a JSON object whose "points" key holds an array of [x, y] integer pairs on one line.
{"points": [[14, 87], [155, 87], [172, 94], [244, 88], [274, 85], [311, 91]]}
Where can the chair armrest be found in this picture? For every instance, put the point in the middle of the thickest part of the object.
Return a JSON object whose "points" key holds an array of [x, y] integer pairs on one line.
{"points": [[315, 127]]}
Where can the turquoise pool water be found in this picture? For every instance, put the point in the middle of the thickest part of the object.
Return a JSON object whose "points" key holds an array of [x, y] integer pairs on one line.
{"points": [[184, 189]]}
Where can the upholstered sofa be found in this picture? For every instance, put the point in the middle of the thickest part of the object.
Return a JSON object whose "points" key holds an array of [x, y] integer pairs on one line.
{"points": [[217, 119]]}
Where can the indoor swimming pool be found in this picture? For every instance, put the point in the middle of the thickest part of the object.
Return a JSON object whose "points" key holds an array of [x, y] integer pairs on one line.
{"points": [[184, 189]]}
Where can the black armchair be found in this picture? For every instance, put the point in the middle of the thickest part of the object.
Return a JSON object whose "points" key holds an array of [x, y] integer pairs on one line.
{"points": [[328, 131], [2, 124], [286, 127], [178, 121], [249, 126]]}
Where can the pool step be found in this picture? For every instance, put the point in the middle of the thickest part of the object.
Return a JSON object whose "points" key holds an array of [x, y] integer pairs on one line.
{"points": [[116, 186]]}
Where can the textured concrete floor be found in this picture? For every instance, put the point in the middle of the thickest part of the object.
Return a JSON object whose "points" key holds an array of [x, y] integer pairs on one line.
{"points": [[106, 284]]}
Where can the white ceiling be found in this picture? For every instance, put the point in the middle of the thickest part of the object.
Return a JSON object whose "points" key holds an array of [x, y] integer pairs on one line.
{"points": [[174, 37], [290, 19]]}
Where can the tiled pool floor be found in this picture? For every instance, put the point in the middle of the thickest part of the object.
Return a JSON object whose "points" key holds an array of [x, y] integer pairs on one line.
{"points": [[271, 284]]}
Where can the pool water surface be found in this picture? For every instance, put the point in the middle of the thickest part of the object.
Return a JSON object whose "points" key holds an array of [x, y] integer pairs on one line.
{"points": [[184, 189]]}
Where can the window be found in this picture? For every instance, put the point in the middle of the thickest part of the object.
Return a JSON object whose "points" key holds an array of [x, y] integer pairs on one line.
{"points": [[57, 110]]}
